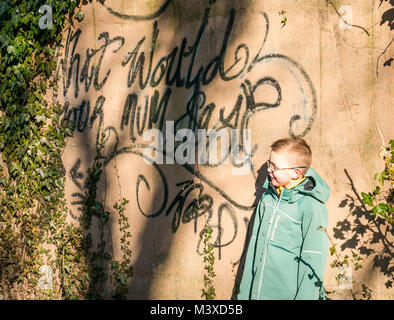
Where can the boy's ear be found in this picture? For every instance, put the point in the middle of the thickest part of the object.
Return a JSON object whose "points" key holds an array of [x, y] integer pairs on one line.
{"points": [[297, 174]]}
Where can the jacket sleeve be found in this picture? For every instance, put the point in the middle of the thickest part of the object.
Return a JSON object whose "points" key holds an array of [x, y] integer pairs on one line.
{"points": [[247, 276], [314, 252]]}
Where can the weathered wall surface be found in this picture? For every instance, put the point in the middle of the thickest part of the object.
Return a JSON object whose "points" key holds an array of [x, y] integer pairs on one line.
{"points": [[130, 66]]}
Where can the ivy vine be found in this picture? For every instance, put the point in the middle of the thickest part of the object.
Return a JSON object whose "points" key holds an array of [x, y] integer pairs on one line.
{"points": [[381, 199], [34, 230], [208, 290]]}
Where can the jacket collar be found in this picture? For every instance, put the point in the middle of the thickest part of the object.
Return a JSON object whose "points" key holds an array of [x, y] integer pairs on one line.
{"points": [[313, 185]]}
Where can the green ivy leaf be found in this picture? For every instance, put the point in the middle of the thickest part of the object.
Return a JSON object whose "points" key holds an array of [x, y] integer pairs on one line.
{"points": [[11, 50], [39, 119], [382, 209], [367, 198], [382, 177]]}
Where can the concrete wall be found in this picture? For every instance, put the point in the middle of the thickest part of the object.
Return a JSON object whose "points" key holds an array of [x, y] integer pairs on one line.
{"points": [[230, 64]]}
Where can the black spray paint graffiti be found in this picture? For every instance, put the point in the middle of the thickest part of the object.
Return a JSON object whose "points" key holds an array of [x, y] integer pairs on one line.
{"points": [[70, 64], [76, 176], [146, 71], [184, 210], [136, 17], [198, 111]]}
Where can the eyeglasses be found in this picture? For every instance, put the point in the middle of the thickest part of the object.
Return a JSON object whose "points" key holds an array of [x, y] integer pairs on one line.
{"points": [[273, 168]]}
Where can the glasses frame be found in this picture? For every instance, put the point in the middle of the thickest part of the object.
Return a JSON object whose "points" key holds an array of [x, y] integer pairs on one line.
{"points": [[278, 169]]}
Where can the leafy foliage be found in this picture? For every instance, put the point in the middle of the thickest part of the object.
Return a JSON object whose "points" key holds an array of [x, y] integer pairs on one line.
{"points": [[122, 270], [344, 263], [102, 269], [33, 216], [381, 199], [208, 290], [381, 202], [284, 18], [32, 210]]}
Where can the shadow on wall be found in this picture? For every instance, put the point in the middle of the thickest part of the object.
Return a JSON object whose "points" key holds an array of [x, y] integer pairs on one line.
{"points": [[156, 238], [154, 247], [387, 16], [261, 177], [368, 234]]}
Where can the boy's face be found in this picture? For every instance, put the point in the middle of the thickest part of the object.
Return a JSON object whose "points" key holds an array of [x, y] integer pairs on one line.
{"points": [[286, 177]]}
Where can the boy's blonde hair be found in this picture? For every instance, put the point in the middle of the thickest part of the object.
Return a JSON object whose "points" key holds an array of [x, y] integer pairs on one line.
{"points": [[299, 147]]}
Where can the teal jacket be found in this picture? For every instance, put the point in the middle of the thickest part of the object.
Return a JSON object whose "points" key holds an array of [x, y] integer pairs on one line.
{"points": [[287, 252]]}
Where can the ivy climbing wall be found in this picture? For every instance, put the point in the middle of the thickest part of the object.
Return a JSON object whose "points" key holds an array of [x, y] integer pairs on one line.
{"points": [[142, 75]]}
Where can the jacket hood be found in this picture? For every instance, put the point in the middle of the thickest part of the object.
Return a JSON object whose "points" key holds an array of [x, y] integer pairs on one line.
{"points": [[313, 186]]}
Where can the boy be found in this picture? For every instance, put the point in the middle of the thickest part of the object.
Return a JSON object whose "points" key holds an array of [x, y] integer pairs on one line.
{"points": [[287, 252]]}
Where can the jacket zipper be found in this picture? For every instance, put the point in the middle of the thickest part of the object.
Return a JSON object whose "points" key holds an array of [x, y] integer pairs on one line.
{"points": [[266, 245], [276, 224]]}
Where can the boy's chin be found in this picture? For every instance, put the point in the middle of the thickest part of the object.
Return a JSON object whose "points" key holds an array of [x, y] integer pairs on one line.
{"points": [[276, 184]]}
